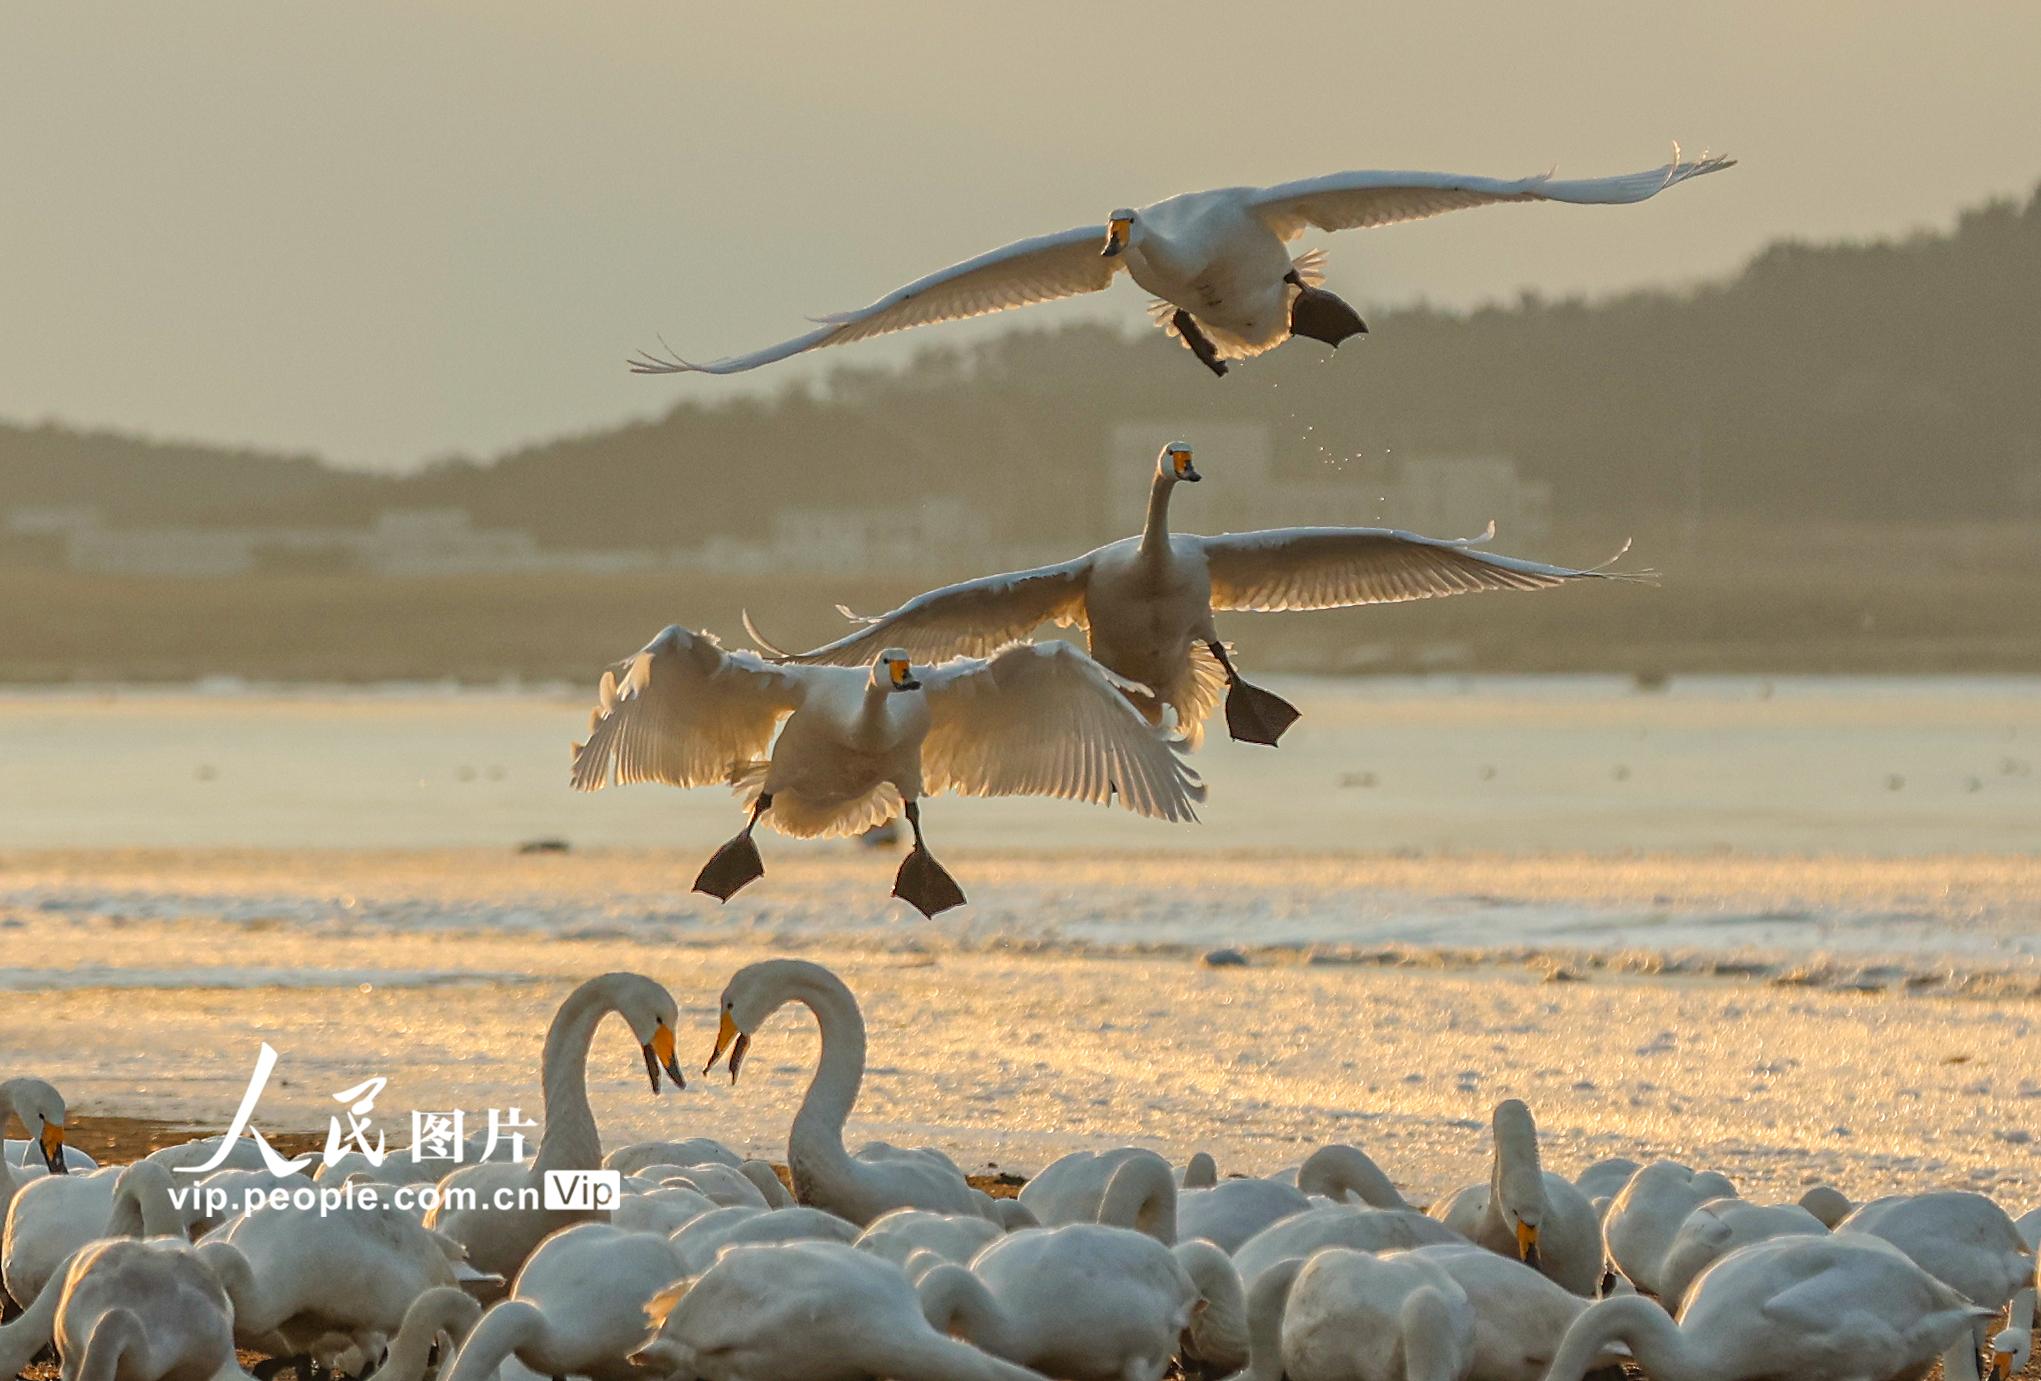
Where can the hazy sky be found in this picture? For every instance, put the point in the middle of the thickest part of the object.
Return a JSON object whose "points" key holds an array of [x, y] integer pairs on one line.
{"points": [[388, 229]]}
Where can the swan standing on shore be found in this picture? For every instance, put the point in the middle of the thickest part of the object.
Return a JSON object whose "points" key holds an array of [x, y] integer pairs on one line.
{"points": [[861, 747], [1525, 1211], [1836, 1307], [498, 1238], [1216, 261], [40, 1110], [804, 1311], [1147, 602], [879, 1178]]}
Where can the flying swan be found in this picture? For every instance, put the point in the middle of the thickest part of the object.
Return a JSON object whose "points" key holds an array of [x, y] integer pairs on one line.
{"points": [[1216, 261], [1146, 602], [861, 747]]}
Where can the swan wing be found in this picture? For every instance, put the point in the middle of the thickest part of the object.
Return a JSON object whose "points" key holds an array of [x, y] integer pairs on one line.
{"points": [[684, 712], [974, 618], [1044, 719], [1332, 567], [1040, 269], [1362, 200]]}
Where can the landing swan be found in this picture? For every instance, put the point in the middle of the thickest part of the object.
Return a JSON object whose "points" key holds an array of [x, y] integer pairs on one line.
{"points": [[861, 747], [1146, 603], [1829, 1308], [1217, 261], [805, 1311], [1526, 1212], [498, 1238], [879, 1178]]}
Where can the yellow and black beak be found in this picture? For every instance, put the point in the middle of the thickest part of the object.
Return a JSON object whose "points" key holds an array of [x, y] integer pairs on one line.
{"points": [[1116, 237], [52, 1143], [660, 1055], [2001, 1366], [1527, 1244], [1184, 469], [902, 673], [724, 1033]]}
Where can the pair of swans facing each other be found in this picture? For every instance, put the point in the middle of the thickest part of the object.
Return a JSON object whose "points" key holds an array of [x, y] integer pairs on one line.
{"points": [[1216, 262]]}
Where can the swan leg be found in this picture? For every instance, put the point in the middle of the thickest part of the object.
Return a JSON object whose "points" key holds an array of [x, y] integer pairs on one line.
{"points": [[1201, 345], [922, 882], [1322, 315], [736, 865], [1253, 715]]}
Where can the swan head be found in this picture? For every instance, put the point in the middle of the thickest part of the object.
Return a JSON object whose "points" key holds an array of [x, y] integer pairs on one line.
{"points": [[41, 1110], [2009, 1353], [892, 670], [1174, 463], [654, 1019], [1119, 233], [1519, 1183]]}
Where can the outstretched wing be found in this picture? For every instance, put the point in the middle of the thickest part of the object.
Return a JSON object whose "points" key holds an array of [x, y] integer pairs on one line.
{"points": [[1044, 719], [1361, 200], [972, 619], [1331, 567], [683, 712], [1041, 269]]}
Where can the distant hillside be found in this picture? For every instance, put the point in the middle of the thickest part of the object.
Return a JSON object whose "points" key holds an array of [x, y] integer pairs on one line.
{"points": [[1879, 382]]}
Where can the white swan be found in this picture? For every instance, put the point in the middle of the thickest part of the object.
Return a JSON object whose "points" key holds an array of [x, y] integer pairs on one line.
{"points": [[143, 1311], [638, 1155], [40, 1110], [697, 1244], [955, 1237], [498, 1238], [1830, 1204], [1217, 261], [1199, 1172], [1344, 1173], [861, 747], [1128, 1187], [1521, 1315], [879, 1178], [1718, 1228], [576, 1309], [1836, 1307], [660, 1210], [243, 1154], [1526, 1212], [1604, 1180], [1345, 1315], [1647, 1213], [1232, 1211], [51, 1218], [1146, 602], [1969, 1244], [1082, 1302], [1339, 1225], [804, 1311]]}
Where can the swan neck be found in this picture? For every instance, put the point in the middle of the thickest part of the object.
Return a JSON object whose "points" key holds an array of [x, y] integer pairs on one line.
{"points": [[815, 1151], [927, 1356], [430, 1315], [509, 1325], [142, 1204], [1654, 1340], [1220, 1330], [1155, 531], [957, 1304], [1337, 1171], [1142, 1195], [1268, 1297], [32, 1329], [569, 1139]]}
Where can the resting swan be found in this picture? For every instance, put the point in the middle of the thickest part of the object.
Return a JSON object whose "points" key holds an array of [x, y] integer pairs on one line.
{"points": [[1828, 1308], [861, 747], [1082, 1302], [804, 1311], [498, 1239], [1217, 262], [904, 1232], [696, 1244], [880, 1177], [1526, 1212], [1146, 603]]}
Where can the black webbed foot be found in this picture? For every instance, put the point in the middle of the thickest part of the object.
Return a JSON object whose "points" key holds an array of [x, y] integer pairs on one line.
{"points": [[925, 885], [1254, 715], [734, 867], [1323, 316]]}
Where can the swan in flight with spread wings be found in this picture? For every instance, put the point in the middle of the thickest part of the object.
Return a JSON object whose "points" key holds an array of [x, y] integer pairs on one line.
{"points": [[861, 747], [1146, 603], [1217, 262]]}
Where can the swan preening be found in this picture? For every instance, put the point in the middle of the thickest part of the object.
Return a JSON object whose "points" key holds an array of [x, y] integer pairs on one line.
{"points": [[1146, 603], [860, 747], [1216, 262]]}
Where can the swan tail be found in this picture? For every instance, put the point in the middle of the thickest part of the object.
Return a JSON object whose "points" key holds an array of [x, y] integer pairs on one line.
{"points": [[1310, 267]]}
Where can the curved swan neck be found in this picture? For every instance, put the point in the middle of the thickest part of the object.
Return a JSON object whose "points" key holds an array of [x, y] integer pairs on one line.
{"points": [[32, 1330], [117, 1333], [142, 1206], [441, 1309], [1430, 1352], [509, 1325], [815, 1145], [569, 1140], [957, 1304], [1337, 1171], [1267, 1298], [1155, 531], [1141, 1195], [1655, 1341], [229, 1265], [1220, 1330]]}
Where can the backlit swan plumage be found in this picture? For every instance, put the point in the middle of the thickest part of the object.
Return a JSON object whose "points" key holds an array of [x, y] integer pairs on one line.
{"points": [[860, 747], [1147, 602], [1340, 1225], [1969, 1244], [805, 1311], [1217, 261], [1840, 1307], [1526, 1212], [1718, 1228], [143, 1311], [698, 1244], [55, 1215], [1128, 1187], [956, 1237], [40, 1110], [498, 1239], [1647, 1213], [879, 1178], [1345, 1315]]}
